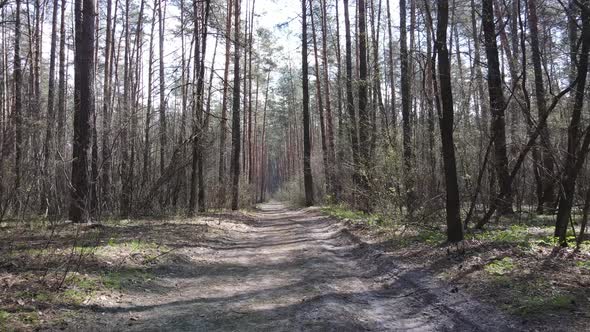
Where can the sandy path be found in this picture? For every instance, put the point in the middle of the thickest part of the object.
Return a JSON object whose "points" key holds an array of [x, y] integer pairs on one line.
{"points": [[292, 270]]}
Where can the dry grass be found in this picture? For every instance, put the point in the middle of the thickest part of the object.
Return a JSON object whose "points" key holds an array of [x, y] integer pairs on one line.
{"points": [[47, 271]]}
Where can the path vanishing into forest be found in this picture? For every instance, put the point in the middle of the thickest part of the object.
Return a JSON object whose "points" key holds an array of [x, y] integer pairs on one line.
{"points": [[292, 270]]}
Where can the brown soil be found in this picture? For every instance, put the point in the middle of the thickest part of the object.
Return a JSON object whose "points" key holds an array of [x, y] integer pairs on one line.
{"points": [[281, 269]]}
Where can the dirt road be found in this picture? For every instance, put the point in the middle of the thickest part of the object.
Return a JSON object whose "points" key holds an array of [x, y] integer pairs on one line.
{"points": [[292, 270]]}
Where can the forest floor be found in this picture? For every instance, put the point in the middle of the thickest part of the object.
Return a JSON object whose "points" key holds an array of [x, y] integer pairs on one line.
{"points": [[514, 264], [271, 269]]}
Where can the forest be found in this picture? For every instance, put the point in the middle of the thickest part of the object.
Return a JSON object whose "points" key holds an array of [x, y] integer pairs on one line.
{"points": [[300, 165]]}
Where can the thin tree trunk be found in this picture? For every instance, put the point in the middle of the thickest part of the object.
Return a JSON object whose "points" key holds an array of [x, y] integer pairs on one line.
{"points": [[148, 116], [235, 158], [584, 223], [576, 151], [200, 26], [48, 156], [329, 119], [363, 113], [263, 145], [126, 183], [250, 44], [340, 150], [307, 176], [60, 151], [406, 106], [498, 107], [545, 199], [224, 104], [319, 100], [162, 111], [106, 108], [352, 123], [17, 110]]}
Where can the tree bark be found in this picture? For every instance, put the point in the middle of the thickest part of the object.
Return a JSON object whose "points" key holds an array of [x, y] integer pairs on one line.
{"points": [[84, 107], [17, 110], [224, 104], [307, 177], [498, 107], [576, 150], [48, 166], [148, 116], [162, 109], [545, 199], [454, 229], [319, 101], [126, 183], [352, 122], [235, 157], [406, 106], [329, 119], [363, 112]]}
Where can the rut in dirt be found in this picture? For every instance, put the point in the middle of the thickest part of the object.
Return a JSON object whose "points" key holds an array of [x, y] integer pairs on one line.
{"points": [[294, 270]]}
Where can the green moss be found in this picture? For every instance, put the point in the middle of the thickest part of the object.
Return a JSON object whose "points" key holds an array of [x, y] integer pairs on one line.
{"points": [[585, 246], [583, 265], [515, 234], [84, 283], [134, 245], [344, 213], [43, 297], [80, 287], [4, 317], [530, 297], [500, 267], [74, 296], [121, 279], [539, 305], [112, 242], [431, 237], [29, 318]]}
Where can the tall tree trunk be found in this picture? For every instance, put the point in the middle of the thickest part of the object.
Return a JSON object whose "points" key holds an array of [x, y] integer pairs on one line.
{"points": [[352, 123], [406, 106], [224, 104], [200, 25], [263, 145], [428, 87], [484, 112], [126, 183], [251, 45], [576, 149], [340, 149], [329, 119], [163, 124], [18, 108], [454, 229], [364, 118], [148, 116], [393, 110], [48, 167], [545, 199], [84, 107], [245, 88], [235, 157], [180, 184], [307, 177], [498, 107], [60, 152], [106, 109], [319, 100]]}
